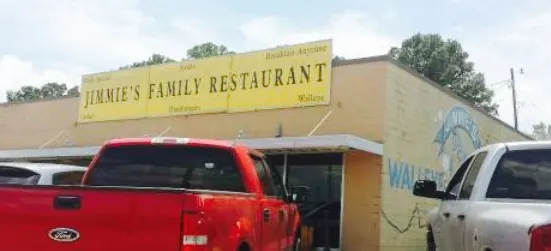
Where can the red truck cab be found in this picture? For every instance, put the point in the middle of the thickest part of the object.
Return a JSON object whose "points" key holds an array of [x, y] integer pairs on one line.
{"points": [[162, 194]]}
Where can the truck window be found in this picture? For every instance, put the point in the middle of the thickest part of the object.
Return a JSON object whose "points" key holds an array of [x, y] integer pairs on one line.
{"points": [[20, 176], [522, 174], [271, 182], [470, 179], [264, 177], [277, 180], [67, 178], [167, 166], [453, 187]]}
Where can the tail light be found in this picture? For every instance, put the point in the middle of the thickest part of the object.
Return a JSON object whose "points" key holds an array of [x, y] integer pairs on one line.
{"points": [[540, 239], [196, 232]]}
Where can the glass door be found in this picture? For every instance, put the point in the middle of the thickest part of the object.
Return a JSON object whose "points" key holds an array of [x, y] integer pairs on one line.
{"points": [[322, 173]]}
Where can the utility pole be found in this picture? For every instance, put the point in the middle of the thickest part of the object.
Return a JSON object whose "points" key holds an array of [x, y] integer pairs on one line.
{"points": [[514, 97]]}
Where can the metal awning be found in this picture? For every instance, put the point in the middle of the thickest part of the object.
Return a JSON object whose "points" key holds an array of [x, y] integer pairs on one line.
{"points": [[48, 153], [323, 143]]}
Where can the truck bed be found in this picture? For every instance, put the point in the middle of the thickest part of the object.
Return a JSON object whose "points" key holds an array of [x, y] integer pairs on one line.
{"points": [[102, 218]]}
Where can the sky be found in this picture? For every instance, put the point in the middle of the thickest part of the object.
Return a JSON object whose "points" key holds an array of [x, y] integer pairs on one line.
{"points": [[58, 41]]}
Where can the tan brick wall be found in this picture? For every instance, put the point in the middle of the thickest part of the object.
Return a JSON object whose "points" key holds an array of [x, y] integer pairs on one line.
{"points": [[362, 189], [29, 125], [356, 100], [411, 125]]}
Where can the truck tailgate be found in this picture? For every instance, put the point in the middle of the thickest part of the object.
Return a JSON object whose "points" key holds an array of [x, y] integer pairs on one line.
{"points": [[89, 219]]}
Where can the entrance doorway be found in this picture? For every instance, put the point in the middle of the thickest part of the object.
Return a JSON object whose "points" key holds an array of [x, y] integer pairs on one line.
{"points": [[322, 173]]}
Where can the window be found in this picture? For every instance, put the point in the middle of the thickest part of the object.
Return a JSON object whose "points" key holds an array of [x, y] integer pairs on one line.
{"points": [[277, 181], [470, 179], [276, 161], [13, 175], [322, 173], [263, 176], [167, 166], [523, 174], [453, 187], [68, 178]]}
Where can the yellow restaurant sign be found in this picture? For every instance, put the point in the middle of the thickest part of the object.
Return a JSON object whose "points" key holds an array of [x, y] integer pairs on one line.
{"points": [[284, 77]]}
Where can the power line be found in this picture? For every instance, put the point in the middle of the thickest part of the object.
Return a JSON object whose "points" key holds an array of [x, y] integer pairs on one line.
{"points": [[500, 83], [532, 102]]}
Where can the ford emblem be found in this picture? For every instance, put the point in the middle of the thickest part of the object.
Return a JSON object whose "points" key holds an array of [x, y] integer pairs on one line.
{"points": [[63, 234]]}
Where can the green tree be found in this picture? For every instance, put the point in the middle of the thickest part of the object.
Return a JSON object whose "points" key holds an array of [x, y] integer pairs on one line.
{"points": [[153, 60], [49, 90], [445, 62], [74, 91], [24, 93], [53, 90], [541, 131], [206, 50]]}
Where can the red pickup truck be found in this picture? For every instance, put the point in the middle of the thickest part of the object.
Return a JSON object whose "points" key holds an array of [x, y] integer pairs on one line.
{"points": [[160, 194]]}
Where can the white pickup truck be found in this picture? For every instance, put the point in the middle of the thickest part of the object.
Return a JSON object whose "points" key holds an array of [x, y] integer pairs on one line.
{"points": [[498, 200]]}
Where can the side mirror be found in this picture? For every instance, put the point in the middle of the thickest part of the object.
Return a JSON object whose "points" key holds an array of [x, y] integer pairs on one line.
{"points": [[427, 189], [298, 194]]}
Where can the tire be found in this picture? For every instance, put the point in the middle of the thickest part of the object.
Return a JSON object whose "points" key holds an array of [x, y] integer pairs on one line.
{"points": [[431, 246]]}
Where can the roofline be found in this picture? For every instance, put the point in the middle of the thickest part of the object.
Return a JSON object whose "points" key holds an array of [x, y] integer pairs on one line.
{"points": [[364, 60], [344, 62], [453, 95], [387, 58], [19, 102], [320, 143]]}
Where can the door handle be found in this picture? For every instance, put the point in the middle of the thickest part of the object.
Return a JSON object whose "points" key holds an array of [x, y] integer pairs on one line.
{"points": [[461, 217], [281, 213], [266, 215], [67, 202], [446, 214]]}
